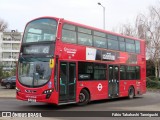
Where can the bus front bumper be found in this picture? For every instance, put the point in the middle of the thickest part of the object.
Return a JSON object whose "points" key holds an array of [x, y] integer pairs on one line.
{"points": [[34, 98]]}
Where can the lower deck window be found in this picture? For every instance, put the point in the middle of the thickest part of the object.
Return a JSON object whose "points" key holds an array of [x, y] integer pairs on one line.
{"points": [[129, 72], [91, 71]]}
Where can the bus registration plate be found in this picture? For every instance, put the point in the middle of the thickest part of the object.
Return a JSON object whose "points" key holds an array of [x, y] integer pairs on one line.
{"points": [[31, 100]]}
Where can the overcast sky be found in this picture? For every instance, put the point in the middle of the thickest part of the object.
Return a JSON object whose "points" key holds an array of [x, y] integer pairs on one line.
{"points": [[18, 12]]}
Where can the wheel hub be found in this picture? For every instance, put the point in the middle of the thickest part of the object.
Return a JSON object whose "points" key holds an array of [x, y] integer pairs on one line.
{"points": [[81, 97]]}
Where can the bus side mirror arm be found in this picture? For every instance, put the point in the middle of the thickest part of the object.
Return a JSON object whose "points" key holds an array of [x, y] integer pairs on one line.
{"points": [[57, 56], [57, 38]]}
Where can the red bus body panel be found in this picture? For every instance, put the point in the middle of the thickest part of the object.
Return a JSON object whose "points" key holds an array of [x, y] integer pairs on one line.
{"points": [[75, 53]]}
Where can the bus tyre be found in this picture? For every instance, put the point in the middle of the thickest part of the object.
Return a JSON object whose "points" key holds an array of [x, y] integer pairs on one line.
{"points": [[83, 97], [131, 92]]}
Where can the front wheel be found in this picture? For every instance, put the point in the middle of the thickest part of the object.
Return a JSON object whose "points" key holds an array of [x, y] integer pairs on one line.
{"points": [[83, 97], [131, 93]]}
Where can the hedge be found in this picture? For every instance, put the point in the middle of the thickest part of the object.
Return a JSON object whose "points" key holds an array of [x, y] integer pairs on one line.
{"points": [[152, 83]]}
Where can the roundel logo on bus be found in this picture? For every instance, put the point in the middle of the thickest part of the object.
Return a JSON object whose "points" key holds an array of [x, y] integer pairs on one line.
{"points": [[99, 87]]}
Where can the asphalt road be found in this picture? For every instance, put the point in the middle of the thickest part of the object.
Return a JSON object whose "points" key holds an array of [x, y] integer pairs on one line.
{"points": [[147, 102]]}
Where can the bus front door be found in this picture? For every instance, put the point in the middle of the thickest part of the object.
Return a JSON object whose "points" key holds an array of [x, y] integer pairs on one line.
{"points": [[67, 85], [113, 83]]}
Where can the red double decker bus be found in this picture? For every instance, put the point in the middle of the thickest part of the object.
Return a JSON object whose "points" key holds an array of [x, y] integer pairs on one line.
{"points": [[63, 62]]}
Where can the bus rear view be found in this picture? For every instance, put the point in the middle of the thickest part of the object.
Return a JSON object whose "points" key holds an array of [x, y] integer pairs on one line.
{"points": [[35, 83]]}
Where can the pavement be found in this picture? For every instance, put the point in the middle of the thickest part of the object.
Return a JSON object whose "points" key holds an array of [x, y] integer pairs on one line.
{"points": [[7, 93], [154, 90]]}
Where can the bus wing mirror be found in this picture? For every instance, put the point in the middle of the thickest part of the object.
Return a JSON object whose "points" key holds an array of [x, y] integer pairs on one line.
{"points": [[51, 63]]}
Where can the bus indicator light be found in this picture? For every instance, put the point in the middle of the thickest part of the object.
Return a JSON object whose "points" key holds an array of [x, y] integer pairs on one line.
{"points": [[51, 63]]}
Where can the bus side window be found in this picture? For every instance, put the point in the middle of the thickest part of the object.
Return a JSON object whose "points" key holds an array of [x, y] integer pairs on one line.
{"points": [[122, 46], [122, 72], [131, 74], [68, 36], [137, 46], [130, 47], [137, 72], [100, 71], [100, 42], [84, 39], [113, 44]]}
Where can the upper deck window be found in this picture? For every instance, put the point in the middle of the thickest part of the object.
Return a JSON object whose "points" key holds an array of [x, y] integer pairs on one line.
{"points": [[90, 37], [113, 44], [129, 41], [83, 30], [121, 39], [69, 27], [137, 46], [100, 34], [112, 37], [84, 39], [40, 30], [130, 47], [100, 42], [69, 34]]}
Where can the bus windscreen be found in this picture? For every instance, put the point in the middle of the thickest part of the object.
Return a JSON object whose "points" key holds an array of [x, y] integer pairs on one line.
{"points": [[34, 72]]}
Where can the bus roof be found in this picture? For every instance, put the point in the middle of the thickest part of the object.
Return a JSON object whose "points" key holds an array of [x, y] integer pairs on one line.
{"points": [[89, 27]]}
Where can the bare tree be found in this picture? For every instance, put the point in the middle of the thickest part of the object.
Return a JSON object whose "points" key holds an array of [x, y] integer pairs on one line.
{"points": [[3, 25], [147, 26], [151, 32], [127, 29]]}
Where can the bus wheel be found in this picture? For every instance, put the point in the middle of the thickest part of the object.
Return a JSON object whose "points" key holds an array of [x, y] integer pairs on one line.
{"points": [[83, 97], [131, 92]]}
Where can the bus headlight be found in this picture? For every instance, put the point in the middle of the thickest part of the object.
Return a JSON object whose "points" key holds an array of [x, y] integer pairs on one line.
{"points": [[17, 89], [49, 91]]}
